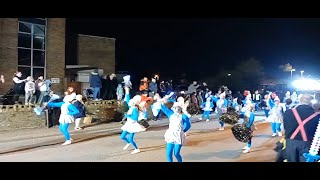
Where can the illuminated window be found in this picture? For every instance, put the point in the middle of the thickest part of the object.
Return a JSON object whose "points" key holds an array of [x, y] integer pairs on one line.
{"points": [[32, 46]]}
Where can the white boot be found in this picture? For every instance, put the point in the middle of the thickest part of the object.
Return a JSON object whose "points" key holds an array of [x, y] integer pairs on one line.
{"points": [[126, 147], [66, 143], [274, 134], [77, 124], [246, 150], [135, 151], [279, 134]]}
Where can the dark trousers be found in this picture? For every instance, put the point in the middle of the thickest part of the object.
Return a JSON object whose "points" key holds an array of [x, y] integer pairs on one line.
{"points": [[110, 95], [295, 150], [37, 93], [15, 98], [53, 116]]}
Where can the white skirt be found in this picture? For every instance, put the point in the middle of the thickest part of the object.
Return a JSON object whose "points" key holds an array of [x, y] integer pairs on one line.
{"points": [[65, 118], [132, 126], [274, 119], [176, 137], [207, 109]]}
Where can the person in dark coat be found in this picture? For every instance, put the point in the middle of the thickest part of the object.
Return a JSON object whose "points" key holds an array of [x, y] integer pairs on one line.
{"points": [[18, 86], [95, 83], [300, 124], [240, 97], [79, 104], [111, 87], [104, 82]]}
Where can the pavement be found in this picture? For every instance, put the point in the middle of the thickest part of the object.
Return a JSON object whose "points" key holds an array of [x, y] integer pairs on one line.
{"points": [[27, 139]]}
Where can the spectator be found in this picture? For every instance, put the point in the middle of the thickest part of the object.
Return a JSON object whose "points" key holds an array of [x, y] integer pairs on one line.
{"points": [[120, 92], [103, 91], [79, 104], [48, 85], [288, 104], [193, 87], [162, 89], [43, 89], [300, 124], [95, 83], [18, 85], [40, 79], [153, 87], [256, 99], [29, 89], [112, 85], [239, 97], [169, 87], [144, 84]]}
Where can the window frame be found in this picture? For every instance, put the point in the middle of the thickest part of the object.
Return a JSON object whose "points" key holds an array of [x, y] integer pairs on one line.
{"points": [[32, 66]]}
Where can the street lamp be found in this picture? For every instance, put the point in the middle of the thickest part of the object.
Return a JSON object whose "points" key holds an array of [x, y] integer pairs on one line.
{"points": [[301, 73], [291, 72], [228, 79]]}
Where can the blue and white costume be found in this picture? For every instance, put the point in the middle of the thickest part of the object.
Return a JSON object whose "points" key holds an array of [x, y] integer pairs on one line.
{"points": [[179, 124], [235, 105], [207, 108], [248, 120], [131, 126], [222, 104], [276, 116], [66, 116]]}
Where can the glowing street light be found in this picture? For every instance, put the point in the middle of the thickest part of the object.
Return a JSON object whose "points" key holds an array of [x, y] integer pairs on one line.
{"points": [[291, 72], [229, 74], [301, 73]]}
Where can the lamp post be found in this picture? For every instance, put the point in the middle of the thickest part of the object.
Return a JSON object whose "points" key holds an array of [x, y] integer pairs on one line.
{"points": [[301, 73], [291, 72], [228, 79]]}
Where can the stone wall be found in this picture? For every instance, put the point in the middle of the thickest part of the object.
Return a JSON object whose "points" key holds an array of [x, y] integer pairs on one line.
{"points": [[21, 116]]}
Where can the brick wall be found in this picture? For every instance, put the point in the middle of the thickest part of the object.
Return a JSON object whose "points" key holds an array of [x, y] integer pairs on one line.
{"points": [[56, 52], [97, 51], [55, 45], [8, 51]]}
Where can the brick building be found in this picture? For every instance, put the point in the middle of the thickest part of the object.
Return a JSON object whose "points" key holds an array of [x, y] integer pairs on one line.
{"points": [[34, 46], [97, 51], [37, 46]]}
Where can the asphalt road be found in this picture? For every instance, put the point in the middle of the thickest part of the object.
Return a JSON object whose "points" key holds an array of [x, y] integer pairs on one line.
{"points": [[204, 144]]}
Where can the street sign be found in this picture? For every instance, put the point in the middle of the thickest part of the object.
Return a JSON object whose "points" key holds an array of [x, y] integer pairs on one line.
{"points": [[55, 80]]}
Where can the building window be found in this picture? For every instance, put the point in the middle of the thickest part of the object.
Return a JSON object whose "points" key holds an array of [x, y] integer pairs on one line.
{"points": [[32, 47]]}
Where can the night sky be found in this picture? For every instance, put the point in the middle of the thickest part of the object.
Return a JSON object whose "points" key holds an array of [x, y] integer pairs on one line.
{"points": [[207, 45]]}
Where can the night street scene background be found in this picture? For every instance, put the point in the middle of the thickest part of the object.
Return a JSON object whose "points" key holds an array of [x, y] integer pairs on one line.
{"points": [[207, 49], [160, 89]]}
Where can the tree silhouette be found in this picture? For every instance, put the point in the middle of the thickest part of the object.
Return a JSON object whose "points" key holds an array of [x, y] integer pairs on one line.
{"points": [[286, 67], [246, 75]]}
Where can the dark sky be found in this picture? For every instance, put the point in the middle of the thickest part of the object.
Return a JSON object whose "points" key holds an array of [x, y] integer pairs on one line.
{"points": [[205, 45]]}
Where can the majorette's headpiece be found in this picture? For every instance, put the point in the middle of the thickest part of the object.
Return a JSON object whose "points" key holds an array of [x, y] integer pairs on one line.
{"points": [[126, 78], [135, 100]]}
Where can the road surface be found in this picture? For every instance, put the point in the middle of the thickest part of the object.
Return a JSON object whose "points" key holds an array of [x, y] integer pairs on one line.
{"points": [[204, 144]]}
